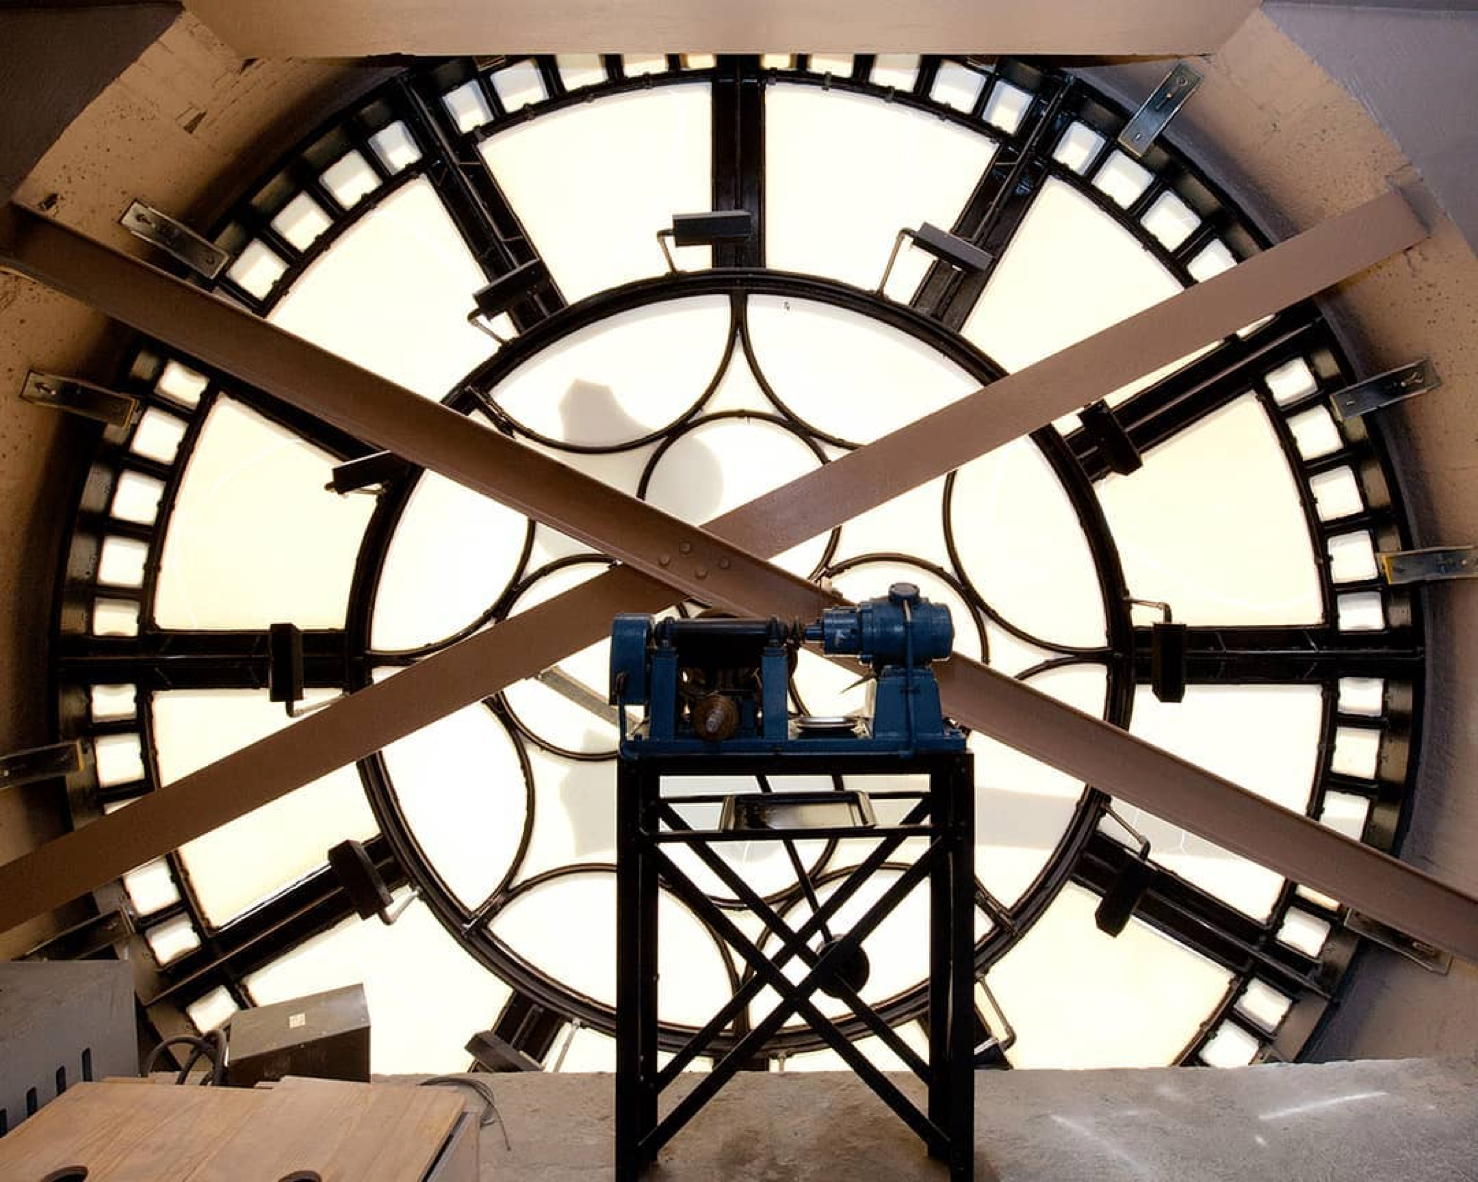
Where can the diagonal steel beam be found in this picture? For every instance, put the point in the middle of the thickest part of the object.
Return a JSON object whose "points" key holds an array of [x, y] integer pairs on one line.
{"points": [[1386, 223]]}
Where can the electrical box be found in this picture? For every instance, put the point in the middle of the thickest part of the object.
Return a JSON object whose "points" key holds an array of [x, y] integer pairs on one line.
{"points": [[62, 1022], [323, 1036]]}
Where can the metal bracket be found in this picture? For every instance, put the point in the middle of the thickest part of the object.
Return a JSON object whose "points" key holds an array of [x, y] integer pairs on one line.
{"points": [[79, 398], [1384, 389], [1430, 565], [40, 763], [1151, 119], [1113, 442], [175, 238], [958, 252], [1434, 960]]}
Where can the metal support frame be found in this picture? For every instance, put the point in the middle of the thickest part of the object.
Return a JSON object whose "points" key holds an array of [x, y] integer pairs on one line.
{"points": [[647, 821]]}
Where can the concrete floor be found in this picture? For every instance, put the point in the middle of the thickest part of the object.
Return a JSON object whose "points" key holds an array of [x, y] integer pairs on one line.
{"points": [[1407, 1120]]}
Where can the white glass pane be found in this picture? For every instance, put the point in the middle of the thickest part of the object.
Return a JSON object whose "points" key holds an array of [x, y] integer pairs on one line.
{"points": [[122, 562], [838, 65], [589, 1051], [1362, 695], [724, 463], [426, 996], [1070, 271], [580, 69], [1007, 107], [1264, 1004], [1122, 179], [150, 888], [878, 1054], [1345, 813], [118, 759], [957, 86], [912, 523], [215, 1008], [257, 269], [1291, 381], [254, 537], [1079, 998], [637, 65], [172, 939], [1171, 220], [468, 109], [1020, 542], [1352, 558], [181, 383], [575, 815], [593, 184], [1265, 738], [1356, 752], [1362, 612], [243, 862], [158, 435], [623, 378], [845, 173], [1336, 494], [1211, 262], [393, 294], [568, 708], [1230, 1046], [111, 702], [452, 555], [518, 85], [461, 789], [115, 617], [897, 70], [1314, 433], [846, 374], [301, 221], [395, 148], [1212, 524], [1024, 807], [350, 179], [567, 928], [699, 61], [777, 61], [1303, 932], [1078, 147], [136, 497]]}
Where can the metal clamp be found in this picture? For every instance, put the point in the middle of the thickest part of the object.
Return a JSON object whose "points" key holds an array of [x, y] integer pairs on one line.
{"points": [[944, 246], [40, 763], [175, 238], [1434, 960], [1151, 119], [1434, 564], [80, 398], [1384, 389]]}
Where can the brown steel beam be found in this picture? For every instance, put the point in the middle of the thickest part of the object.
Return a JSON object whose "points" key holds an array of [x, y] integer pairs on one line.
{"points": [[360, 28], [1168, 778]]}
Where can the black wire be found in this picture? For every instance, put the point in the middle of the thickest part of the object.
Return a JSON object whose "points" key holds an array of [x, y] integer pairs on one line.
{"points": [[490, 1111], [211, 1045]]}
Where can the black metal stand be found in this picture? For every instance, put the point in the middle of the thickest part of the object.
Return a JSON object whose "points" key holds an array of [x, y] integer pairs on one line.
{"points": [[647, 822]]}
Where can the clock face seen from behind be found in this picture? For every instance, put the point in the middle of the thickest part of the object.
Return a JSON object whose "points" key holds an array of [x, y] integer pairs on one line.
{"points": [[1220, 494]]}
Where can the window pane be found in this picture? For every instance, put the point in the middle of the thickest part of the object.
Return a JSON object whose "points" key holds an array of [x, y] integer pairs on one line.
{"points": [[1212, 524], [593, 184], [255, 538], [1079, 998], [243, 862], [845, 174], [393, 293], [1265, 738]]}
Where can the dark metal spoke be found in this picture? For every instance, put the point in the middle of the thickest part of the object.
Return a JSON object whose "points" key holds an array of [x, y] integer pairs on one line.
{"points": [[1287, 654], [739, 155], [169, 660]]}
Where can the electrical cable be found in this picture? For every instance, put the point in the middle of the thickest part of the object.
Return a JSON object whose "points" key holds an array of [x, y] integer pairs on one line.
{"points": [[211, 1045], [490, 1111]]}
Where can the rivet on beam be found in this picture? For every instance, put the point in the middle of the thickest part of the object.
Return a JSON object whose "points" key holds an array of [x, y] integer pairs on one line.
{"points": [[79, 398], [1384, 389], [175, 238], [1430, 565], [1152, 118], [40, 763]]}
